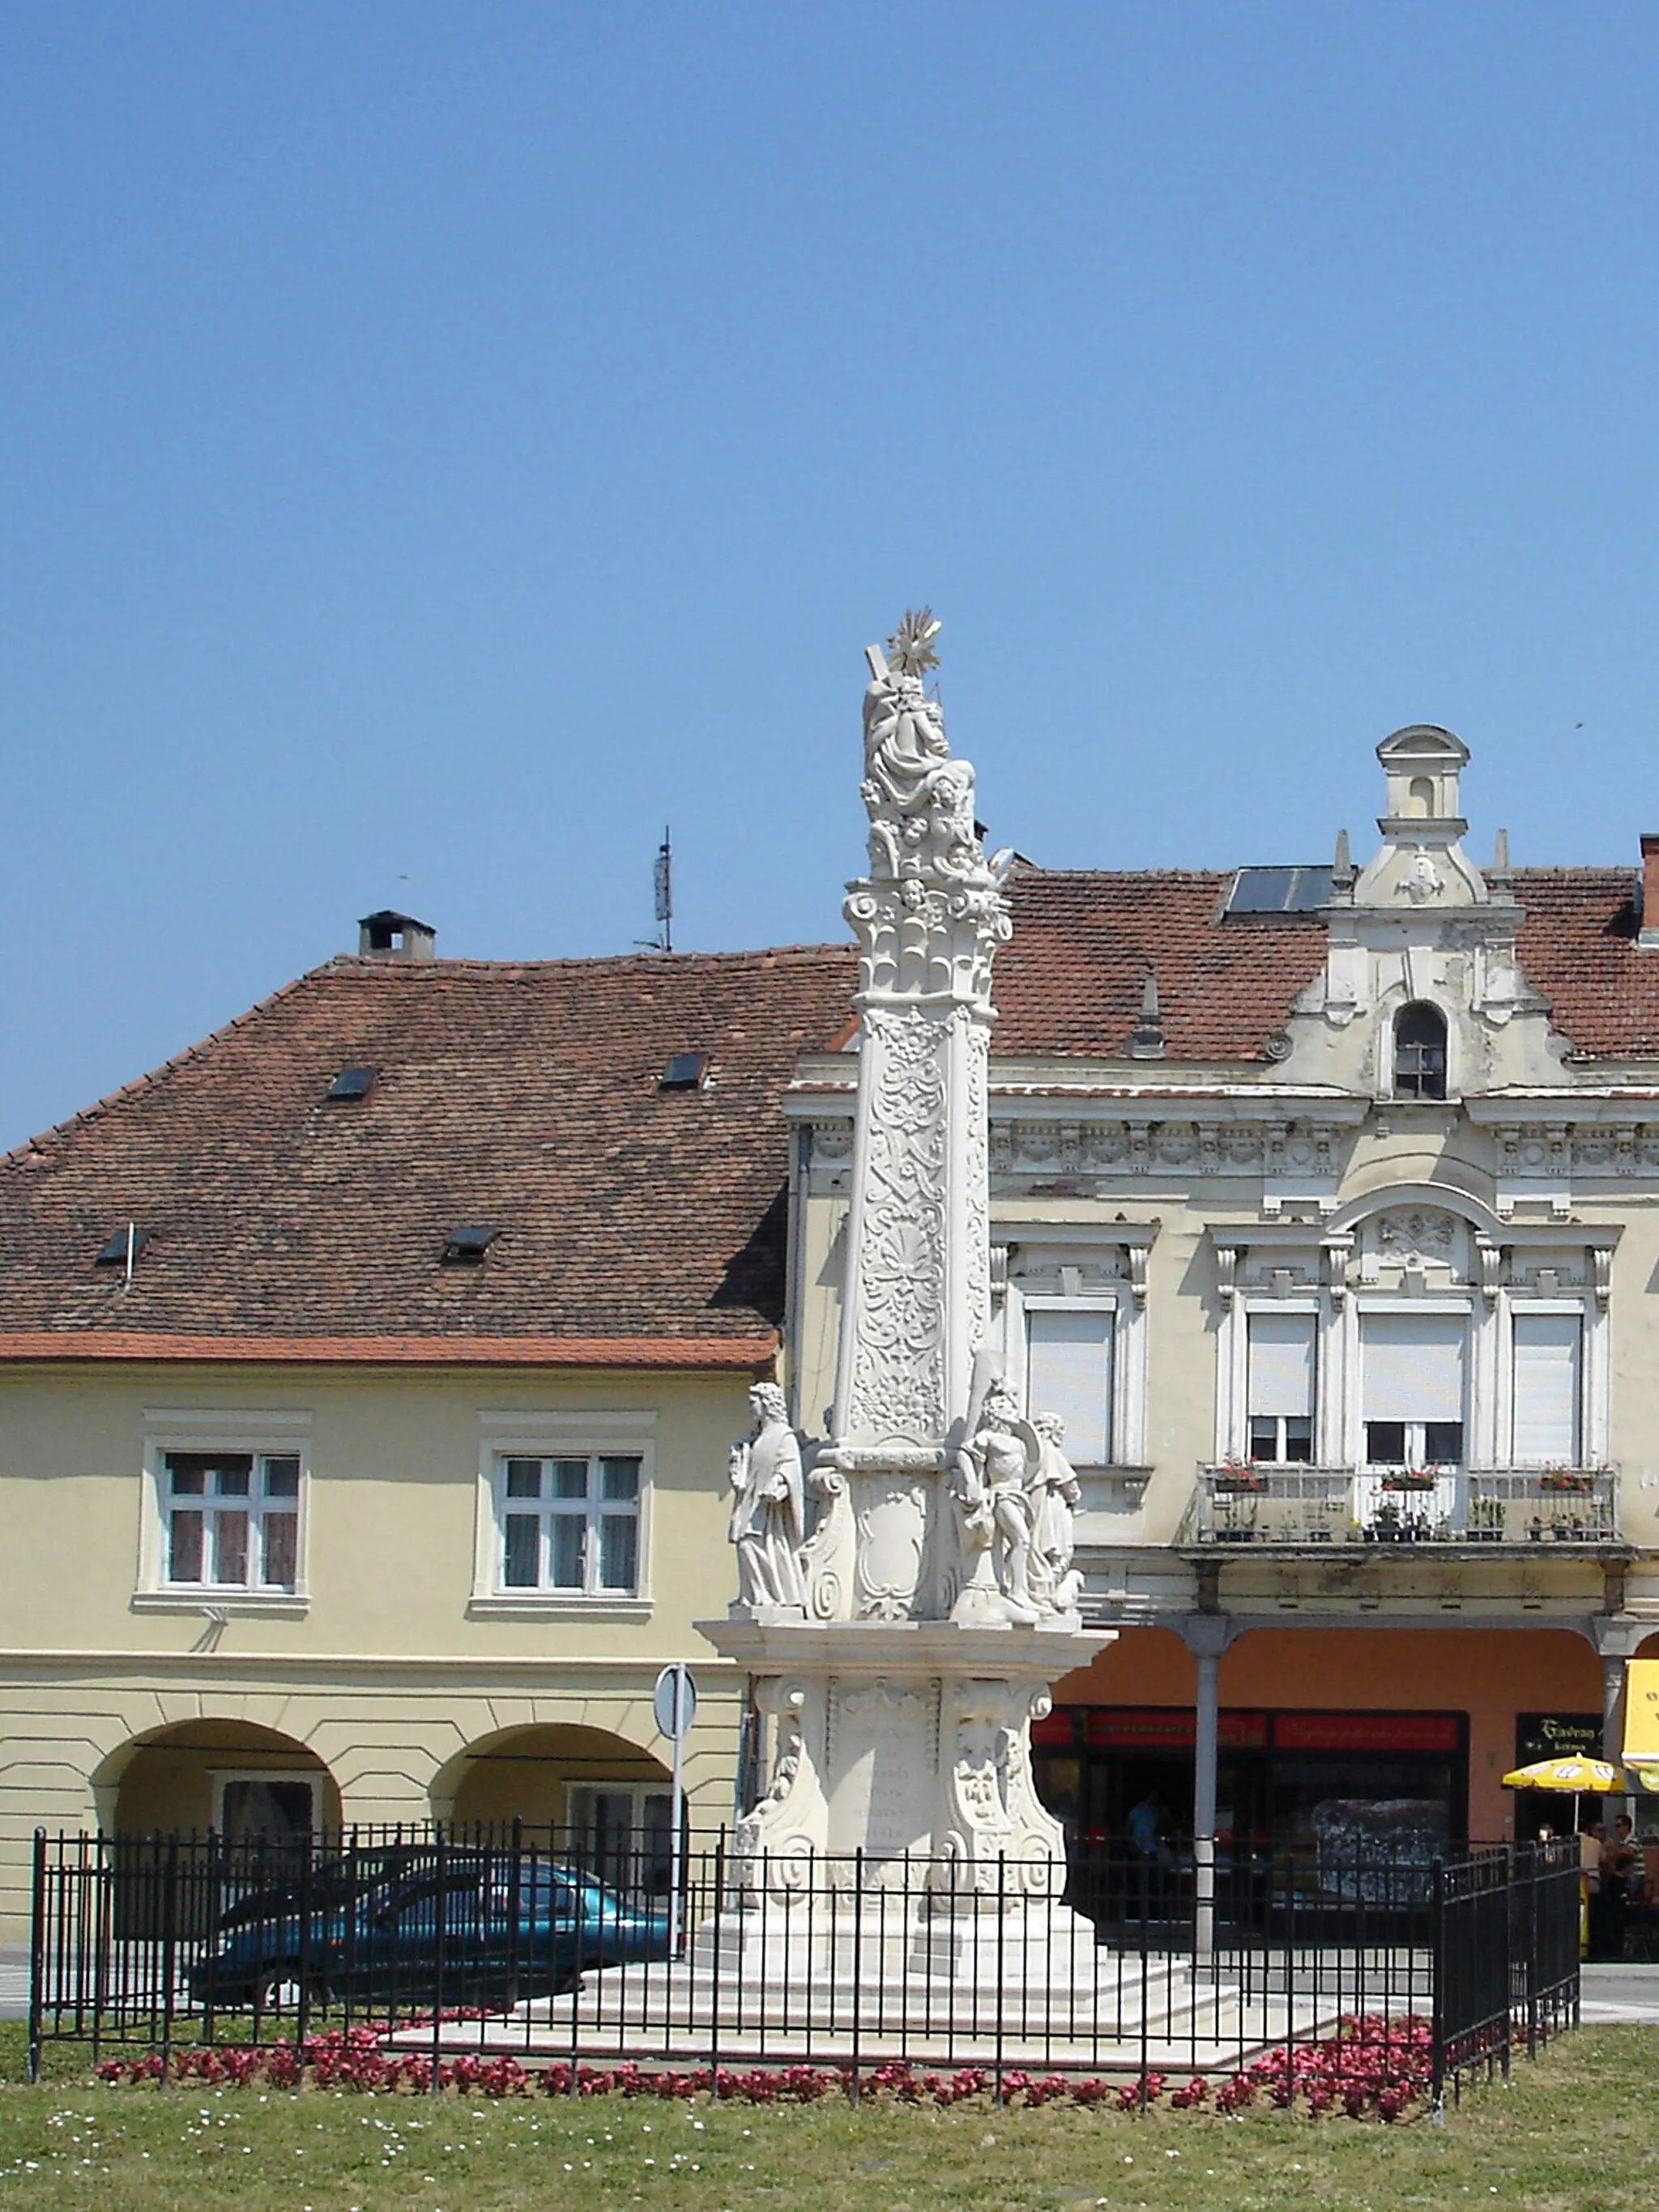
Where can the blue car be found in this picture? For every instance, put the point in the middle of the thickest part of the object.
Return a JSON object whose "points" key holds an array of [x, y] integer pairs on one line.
{"points": [[480, 1925]]}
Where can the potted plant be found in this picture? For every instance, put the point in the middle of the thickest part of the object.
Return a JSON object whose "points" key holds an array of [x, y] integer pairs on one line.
{"points": [[1568, 1479], [1409, 1477], [1385, 1527], [1239, 1478]]}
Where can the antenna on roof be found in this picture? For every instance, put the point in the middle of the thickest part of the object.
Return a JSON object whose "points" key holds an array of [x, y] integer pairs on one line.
{"points": [[662, 886]]}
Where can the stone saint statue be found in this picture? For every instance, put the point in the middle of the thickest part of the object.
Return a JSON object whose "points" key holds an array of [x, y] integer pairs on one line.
{"points": [[989, 1482], [1053, 1494], [768, 1523], [920, 801]]}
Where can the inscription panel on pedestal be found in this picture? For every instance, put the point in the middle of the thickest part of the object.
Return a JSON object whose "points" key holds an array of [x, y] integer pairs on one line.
{"points": [[883, 1775]]}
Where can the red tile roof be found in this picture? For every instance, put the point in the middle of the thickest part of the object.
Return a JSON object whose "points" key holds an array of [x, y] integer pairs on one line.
{"points": [[1071, 979], [638, 1226], [521, 1096], [1577, 945]]}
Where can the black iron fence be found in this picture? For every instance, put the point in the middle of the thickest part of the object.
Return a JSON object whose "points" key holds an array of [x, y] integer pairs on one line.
{"points": [[533, 1943]]}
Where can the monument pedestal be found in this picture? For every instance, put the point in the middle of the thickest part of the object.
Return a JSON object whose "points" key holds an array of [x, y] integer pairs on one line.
{"points": [[901, 1758]]}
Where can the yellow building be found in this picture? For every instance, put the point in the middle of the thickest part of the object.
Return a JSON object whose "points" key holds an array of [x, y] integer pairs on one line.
{"points": [[1325, 1208], [368, 1375]]}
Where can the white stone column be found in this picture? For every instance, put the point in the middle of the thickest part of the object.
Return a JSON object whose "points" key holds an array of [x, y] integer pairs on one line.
{"points": [[1207, 1636]]}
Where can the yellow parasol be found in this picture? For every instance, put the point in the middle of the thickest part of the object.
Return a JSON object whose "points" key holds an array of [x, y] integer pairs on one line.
{"points": [[1582, 1776], [1572, 1775]]}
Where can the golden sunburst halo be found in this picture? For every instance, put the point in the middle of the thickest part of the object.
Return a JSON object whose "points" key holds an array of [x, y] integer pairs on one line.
{"points": [[910, 648]]}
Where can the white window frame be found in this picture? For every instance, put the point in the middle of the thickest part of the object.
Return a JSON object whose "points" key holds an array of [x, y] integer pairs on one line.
{"points": [[1303, 1308], [558, 1434], [1478, 1406], [1593, 1349], [258, 1435], [1127, 1411]]}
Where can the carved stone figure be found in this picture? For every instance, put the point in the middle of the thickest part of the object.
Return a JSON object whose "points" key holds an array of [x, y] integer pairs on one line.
{"points": [[920, 801], [1054, 1494], [989, 1486], [768, 1523]]}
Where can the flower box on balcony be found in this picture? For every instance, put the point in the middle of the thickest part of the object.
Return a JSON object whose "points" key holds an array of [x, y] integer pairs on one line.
{"points": [[1239, 1482], [1409, 1479], [1576, 1480]]}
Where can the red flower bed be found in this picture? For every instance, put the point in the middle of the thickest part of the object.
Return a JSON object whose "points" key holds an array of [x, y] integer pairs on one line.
{"points": [[1371, 2065]]}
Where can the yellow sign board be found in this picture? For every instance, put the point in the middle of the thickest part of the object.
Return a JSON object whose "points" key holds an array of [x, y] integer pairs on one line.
{"points": [[1642, 1720]]}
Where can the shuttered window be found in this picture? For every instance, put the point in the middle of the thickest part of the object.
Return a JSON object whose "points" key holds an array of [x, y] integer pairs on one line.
{"points": [[1413, 1366], [1068, 1371], [1413, 1370], [1547, 1385], [1281, 1386]]}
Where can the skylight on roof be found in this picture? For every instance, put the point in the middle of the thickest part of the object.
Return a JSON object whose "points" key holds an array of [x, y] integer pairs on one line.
{"points": [[128, 1242], [1279, 891], [353, 1083], [685, 1070], [466, 1246]]}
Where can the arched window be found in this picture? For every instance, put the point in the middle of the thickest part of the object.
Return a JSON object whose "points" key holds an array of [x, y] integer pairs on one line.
{"points": [[1420, 1052]]}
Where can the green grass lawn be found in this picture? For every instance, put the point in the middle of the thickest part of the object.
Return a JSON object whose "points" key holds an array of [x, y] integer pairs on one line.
{"points": [[1576, 2131]]}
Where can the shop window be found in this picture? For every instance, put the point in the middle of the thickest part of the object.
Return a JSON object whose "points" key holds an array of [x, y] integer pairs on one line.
{"points": [[1414, 1386], [1068, 1371], [1548, 1363], [1281, 1387], [1419, 1053]]}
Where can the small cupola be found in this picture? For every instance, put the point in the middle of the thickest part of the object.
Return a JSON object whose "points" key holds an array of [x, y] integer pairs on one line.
{"points": [[1422, 864], [389, 936], [1421, 765]]}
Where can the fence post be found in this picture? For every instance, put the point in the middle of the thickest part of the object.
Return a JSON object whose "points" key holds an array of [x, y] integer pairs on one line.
{"points": [[513, 1909], [169, 1947], [1002, 1982], [37, 1950], [716, 1965], [302, 1999], [857, 1962], [440, 1859], [1438, 2003]]}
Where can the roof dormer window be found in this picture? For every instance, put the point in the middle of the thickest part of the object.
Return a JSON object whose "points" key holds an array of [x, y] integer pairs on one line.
{"points": [[1420, 1052]]}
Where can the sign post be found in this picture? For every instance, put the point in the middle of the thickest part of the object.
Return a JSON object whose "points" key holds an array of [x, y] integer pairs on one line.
{"points": [[675, 1702]]}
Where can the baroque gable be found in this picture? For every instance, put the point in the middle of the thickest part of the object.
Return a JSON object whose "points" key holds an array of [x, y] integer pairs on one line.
{"points": [[1421, 925]]}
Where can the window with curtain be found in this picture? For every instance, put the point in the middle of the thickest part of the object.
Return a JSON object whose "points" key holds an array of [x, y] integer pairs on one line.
{"points": [[1068, 1371], [570, 1525], [230, 1520], [1413, 1367], [1281, 1387], [1548, 1363]]}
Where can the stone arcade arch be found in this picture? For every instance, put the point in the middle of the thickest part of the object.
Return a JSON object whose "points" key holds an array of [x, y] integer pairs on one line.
{"points": [[540, 1773], [208, 1772]]}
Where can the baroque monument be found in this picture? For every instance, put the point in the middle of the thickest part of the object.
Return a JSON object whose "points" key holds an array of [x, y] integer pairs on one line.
{"points": [[901, 1648]]}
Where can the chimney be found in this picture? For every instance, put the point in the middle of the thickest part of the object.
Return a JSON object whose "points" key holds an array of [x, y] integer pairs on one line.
{"points": [[1146, 1037], [388, 936], [1648, 940]]}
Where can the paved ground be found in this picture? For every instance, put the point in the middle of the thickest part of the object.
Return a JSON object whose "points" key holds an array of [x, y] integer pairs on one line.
{"points": [[1619, 1993], [14, 1981], [1610, 1993]]}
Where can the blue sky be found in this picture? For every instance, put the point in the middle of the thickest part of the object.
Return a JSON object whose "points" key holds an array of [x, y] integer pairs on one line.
{"points": [[440, 444]]}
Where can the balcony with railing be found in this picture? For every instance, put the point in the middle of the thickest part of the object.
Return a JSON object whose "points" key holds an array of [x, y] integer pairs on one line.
{"points": [[1300, 1506]]}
